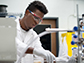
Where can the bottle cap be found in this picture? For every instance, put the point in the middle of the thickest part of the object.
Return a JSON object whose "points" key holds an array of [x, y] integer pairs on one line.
{"points": [[72, 42], [75, 28]]}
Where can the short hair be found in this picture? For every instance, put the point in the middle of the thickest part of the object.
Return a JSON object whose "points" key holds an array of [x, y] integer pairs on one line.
{"points": [[37, 5]]}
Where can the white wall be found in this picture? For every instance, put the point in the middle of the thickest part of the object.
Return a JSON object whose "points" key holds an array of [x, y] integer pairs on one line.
{"points": [[65, 10]]}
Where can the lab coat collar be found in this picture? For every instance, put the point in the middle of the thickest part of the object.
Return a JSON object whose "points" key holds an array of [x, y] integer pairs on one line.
{"points": [[18, 25]]}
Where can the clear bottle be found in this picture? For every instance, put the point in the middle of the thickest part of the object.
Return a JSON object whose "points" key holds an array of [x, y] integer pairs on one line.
{"points": [[37, 59], [74, 51]]}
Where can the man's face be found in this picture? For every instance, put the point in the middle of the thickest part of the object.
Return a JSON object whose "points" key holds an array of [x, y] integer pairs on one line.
{"points": [[32, 19]]}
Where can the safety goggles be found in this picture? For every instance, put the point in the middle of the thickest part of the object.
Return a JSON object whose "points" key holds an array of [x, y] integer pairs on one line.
{"points": [[37, 18]]}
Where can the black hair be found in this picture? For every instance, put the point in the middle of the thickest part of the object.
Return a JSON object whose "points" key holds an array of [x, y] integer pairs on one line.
{"points": [[37, 5]]}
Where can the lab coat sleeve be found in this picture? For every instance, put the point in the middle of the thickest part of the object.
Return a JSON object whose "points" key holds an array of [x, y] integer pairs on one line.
{"points": [[20, 46], [37, 41]]}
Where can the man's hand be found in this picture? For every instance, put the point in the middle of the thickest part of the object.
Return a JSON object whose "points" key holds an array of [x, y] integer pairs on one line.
{"points": [[45, 54]]}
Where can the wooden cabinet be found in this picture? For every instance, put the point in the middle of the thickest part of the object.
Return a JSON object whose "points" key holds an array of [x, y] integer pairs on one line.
{"points": [[54, 36]]}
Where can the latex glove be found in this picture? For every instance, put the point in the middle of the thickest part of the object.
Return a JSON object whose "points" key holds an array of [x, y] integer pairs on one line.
{"points": [[45, 54]]}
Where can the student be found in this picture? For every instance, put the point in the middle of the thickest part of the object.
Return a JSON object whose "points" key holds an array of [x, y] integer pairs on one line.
{"points": [[25, 33]]}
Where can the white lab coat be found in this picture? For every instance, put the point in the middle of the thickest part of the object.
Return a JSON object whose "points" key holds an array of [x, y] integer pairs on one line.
{"points": [[63, 48], [24, 39]]}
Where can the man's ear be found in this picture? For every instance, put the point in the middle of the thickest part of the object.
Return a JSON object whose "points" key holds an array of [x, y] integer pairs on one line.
{"points": [[27, 11]]}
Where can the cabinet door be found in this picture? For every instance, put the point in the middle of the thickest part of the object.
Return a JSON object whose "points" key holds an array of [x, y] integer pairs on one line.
{"points": [[52, 22]]}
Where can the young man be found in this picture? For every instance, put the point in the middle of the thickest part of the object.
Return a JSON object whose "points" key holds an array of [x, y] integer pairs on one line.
{"points": [[33, 16]]}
